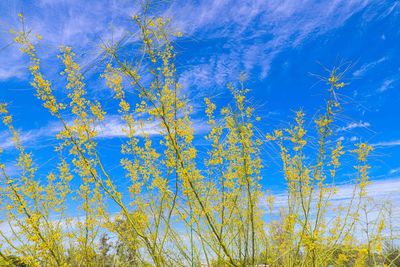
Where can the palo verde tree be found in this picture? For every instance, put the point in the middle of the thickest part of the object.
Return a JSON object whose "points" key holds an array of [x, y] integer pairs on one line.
{"points": [[181, 208]]}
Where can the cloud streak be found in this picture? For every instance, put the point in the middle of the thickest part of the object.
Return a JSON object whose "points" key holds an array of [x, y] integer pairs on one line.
{"points": [[369, 66], [387, 143], [387, 84], [354, 125], [111, 127], [251, 32], [254, 33], [381, 191]]}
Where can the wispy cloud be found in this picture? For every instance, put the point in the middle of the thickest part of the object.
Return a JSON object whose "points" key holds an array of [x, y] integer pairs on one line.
{"points": [[394, 171], [256, 32], [366, 67], [252, 32], [387, 84], [387, 143], [29, 136], [354, 139], [354, 125], [381, 191], [80, 24], [112, 127], [12, 71]]}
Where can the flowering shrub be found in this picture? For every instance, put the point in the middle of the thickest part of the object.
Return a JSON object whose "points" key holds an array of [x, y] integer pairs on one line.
{"points": [[180, 211]]}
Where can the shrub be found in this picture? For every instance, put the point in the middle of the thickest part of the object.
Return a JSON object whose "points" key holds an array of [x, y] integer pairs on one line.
{"points": [[183, 208]]}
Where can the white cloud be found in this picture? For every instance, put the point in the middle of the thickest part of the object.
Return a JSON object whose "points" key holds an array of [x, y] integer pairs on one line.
{"points": [[354, 138], [387, 84], [387, 143], [394, 171], [13, 71], [341, 138], [366, 67], [80, 24], [111, 127], [29, 136], [255, 31], [381, 191], [354, 125]]}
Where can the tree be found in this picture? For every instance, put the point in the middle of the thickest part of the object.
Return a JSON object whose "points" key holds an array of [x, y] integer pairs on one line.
{"points": [[179, 212]]}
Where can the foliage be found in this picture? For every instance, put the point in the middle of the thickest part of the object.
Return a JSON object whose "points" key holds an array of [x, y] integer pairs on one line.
{"points": [[181, 211]]}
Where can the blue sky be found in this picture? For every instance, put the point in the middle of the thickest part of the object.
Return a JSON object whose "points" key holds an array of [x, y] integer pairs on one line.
{"points": [[281, 45]]}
